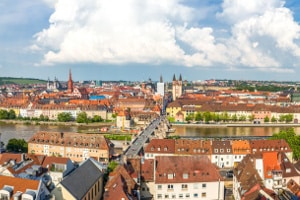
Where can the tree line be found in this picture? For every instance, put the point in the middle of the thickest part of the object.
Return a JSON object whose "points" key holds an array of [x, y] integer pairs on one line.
{"points": [[61, 117], [225, 117]]}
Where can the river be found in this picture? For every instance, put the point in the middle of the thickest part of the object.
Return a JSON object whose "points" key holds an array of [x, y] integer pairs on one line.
{"points": [[19, 131]]}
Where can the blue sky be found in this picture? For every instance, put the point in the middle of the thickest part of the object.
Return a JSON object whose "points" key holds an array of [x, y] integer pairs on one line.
{"points": [[138, 40]]}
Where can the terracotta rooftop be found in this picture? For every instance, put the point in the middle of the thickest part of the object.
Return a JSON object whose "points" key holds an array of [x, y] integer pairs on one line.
{"points": [[161, 146], [19, 184], [193, 147], [70, 139], [185, 169]]}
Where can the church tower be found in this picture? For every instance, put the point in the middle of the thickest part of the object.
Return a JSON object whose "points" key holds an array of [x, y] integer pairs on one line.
{"points": [[176, 87], [70, 83]]}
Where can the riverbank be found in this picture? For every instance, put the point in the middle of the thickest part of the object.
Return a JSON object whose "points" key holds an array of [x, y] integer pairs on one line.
{"points": [[55, 123], [238, 125]]}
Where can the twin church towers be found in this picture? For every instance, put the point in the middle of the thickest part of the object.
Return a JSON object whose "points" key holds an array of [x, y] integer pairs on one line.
{"points": [[177, 87]]}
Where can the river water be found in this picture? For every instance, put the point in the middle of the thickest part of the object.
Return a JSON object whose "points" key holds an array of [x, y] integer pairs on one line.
{"points": [[19, 131]]}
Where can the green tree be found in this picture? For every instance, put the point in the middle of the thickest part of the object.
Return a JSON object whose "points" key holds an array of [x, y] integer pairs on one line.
{"points": [[17, 145], [207, 117], [198, 116], [289, 118], [189, 117], [11, 114], [292, 139], [281, 118], [3, 114], [251, 118], [224, 117], [234, 118], [64, 117], [171, 119], [266, 119], [82, 118], [273, 119], [97, 118], [242, 118]]}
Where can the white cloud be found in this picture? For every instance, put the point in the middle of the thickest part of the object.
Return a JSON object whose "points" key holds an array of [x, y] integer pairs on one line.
{"points": [[236, 10], [148, 31]]}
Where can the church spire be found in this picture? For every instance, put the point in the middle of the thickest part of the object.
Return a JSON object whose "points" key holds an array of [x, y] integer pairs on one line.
{"points": [[161, 79], [70, 83], [180, 78], [174, 78]]}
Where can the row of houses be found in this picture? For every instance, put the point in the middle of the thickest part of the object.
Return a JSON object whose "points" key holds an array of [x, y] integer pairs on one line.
{"points": [[222, 153], [180, 109]]}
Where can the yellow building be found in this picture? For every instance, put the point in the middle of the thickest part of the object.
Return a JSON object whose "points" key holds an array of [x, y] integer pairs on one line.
{"points": [[76, 146]]}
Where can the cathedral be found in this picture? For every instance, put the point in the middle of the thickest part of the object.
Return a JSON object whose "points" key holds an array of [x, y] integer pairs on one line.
{"points": [[176, 87], [53, 86]]}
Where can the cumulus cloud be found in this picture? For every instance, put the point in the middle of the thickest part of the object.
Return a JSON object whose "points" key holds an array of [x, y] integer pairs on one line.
{"points": [[149, 31]]}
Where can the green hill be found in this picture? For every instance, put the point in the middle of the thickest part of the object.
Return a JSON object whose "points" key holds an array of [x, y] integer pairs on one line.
{"points": [[22, 81]]}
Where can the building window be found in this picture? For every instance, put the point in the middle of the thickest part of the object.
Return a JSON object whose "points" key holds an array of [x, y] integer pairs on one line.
{"points": [[203, 185], [216, 150], [203, 194], [196, 186], [170, 187], [221, 150], [173, 196], [185, 176], [166, 196], [196, 195], [184, 186], [159, 187], [180, 196], [159, 196], [187, 195], [170, 175]]}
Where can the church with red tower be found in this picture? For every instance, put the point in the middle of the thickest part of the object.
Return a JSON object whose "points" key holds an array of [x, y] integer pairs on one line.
{"points": [[70, 83]]}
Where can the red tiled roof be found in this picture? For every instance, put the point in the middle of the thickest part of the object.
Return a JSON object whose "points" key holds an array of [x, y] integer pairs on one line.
{"points": [[161, 146], [19, 184], [185, 169]]}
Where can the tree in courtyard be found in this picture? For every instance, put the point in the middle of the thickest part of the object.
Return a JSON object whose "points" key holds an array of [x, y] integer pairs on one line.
{"points": [[17, 145], [292, 139], [64, 117]]}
